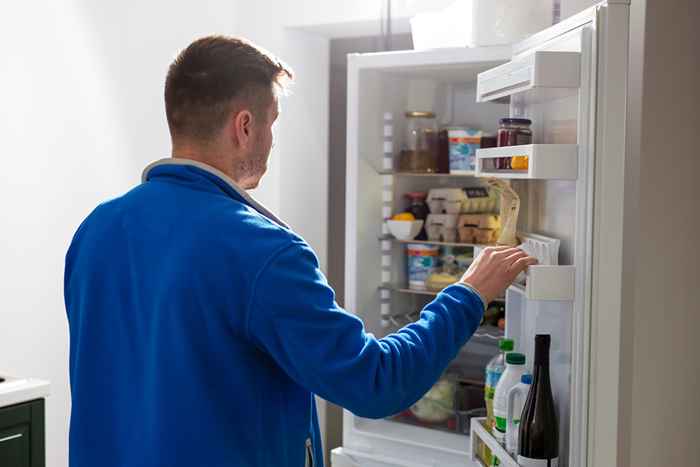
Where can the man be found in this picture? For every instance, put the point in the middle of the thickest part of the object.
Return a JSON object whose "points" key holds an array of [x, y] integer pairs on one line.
{"points": [[201, 326]]}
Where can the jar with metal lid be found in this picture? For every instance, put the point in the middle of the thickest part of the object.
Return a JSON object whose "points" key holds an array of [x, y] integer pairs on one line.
{"points": [[512, 132], [419, 153]]}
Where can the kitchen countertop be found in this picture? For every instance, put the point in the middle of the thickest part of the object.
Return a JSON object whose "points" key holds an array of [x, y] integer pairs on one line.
{"points": [[17, 390]]}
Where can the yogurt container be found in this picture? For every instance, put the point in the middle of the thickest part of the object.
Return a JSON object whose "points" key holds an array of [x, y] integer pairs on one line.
{"points": [[422, 262], [463, 143]]}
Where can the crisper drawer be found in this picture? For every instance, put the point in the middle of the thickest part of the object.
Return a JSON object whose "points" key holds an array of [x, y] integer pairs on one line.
{"points": [[343, 457], [22, 435]]}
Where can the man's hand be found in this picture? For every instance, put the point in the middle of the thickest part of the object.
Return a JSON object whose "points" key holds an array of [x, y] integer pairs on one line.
{"points": [[495, 269]]}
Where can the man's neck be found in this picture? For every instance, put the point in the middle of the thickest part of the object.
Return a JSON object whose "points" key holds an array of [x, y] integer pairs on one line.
{"points": [[219, 159], [205, 156]]}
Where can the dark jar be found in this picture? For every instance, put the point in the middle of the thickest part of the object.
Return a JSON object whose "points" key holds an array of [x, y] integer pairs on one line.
{"points": [[512, 132], [419, 209]]}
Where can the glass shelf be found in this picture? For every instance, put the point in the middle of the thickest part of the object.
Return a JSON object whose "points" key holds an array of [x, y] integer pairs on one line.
{"points": [[406, 290], [469, 173], [429, 242]]}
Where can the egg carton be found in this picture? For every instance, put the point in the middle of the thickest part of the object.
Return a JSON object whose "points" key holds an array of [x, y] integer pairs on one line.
{"points": [[446, 200], [441, 227], [478, 228], [479, 200], [462, 200]]}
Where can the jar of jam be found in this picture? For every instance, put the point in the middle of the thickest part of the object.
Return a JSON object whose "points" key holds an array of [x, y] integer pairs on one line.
{"points": [[512, 132]]}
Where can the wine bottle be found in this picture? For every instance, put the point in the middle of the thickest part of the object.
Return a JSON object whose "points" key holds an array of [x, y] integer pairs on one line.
{"points": [[539, 431]]}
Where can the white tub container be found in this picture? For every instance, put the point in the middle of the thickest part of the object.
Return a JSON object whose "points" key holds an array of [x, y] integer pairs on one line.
{"points": [[475, 23]]}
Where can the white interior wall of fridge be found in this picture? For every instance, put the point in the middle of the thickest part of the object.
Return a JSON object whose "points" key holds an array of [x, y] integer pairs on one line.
{"points": [[389, 91], [449, 91]]}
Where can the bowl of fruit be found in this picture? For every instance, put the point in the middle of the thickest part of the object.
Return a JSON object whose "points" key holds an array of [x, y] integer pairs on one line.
{"points": [[404, 226]]}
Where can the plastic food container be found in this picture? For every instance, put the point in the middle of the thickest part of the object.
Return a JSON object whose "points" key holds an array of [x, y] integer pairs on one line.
{"points": [[475, 23], [422, 262], [463, 143]]}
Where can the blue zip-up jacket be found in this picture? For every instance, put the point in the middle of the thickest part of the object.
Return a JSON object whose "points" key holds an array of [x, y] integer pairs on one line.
{"points": [[200, 328]]}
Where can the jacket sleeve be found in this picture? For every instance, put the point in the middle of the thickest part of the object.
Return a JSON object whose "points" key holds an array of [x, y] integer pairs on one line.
{"points": [[293, 317]]}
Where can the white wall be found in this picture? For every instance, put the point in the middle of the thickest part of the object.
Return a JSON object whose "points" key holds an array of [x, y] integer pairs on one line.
{"points": [[338, 18], [296, 186], [81, 87]]}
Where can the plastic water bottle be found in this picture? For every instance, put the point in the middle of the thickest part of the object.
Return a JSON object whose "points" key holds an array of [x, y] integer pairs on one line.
{"points": [[515, 402], [494, 370]]}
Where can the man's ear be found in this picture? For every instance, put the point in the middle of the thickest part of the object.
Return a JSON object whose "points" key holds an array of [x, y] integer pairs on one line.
{"points": [[242, 128]]}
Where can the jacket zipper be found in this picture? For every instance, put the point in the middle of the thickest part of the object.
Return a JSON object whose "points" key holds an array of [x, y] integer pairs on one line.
{"points": [[309, 453]]}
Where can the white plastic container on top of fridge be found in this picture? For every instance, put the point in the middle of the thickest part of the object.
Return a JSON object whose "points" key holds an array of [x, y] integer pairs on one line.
{"points": [[558, 208], [480, 23]]}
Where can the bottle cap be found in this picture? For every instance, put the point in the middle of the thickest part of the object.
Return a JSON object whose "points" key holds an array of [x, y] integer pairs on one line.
{"points": [[515, 121], [420, 114], [526, 378], [515, 358], [506, 345]]}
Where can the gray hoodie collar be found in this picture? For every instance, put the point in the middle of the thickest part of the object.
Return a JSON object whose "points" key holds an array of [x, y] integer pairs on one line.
{"points": [[214, 171]]}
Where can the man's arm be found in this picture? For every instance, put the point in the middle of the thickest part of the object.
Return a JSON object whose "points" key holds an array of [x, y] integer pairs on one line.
{"points": [[294, 318]]}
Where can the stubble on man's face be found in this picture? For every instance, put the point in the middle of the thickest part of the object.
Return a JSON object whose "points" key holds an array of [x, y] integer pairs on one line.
{"points": [[252, 168]]}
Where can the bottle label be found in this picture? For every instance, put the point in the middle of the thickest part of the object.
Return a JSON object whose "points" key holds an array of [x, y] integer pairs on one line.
{"points": [[527, 462], [501, 423], [492, 377]]}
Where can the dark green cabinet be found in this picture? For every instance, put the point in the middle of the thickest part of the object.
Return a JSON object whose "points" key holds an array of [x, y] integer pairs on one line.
{"points": [[22, 435]]}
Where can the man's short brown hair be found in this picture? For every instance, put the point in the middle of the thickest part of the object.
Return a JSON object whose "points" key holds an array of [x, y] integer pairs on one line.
{"points": [[210, 75]]}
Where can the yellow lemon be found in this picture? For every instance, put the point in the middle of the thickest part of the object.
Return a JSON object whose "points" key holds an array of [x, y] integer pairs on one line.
{"points": [[404, 216]]}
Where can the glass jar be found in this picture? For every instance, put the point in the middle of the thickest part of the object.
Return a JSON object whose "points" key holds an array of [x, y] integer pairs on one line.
{"points": [[419, 210], [419, 153], [512, 132]]}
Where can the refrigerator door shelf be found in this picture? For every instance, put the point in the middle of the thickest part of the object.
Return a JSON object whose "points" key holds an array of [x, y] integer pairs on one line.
{"points": [[544, 162], [479, 433], [539, 77], [550, 283]]}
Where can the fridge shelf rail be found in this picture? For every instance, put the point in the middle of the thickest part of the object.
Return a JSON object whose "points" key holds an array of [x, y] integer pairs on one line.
{"points": [[542, 161], [551, 283], [406, 290], [539, 77], [478, 433], [396, 173], [398, 288], [430, 242]]}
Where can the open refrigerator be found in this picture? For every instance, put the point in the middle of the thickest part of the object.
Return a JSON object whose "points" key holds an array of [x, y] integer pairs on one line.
{"points": [[570, 81]]}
